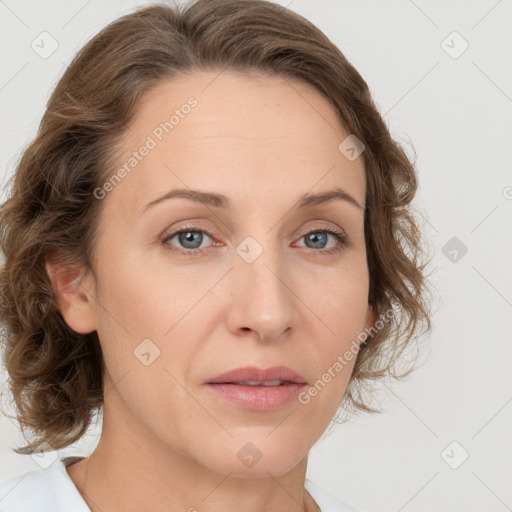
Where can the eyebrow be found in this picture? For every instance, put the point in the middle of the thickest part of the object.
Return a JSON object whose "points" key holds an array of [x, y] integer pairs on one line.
{"points": [[221, 201]]}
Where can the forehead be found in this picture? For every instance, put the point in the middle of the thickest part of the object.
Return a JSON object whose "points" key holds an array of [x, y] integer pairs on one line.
{"points": [[245, 134]]}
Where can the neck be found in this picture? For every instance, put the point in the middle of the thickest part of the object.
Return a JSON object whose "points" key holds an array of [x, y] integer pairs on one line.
{"points": [[132, 470]]}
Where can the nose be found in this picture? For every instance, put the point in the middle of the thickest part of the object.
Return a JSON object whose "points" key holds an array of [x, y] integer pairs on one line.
{"points": [[262, 298]]}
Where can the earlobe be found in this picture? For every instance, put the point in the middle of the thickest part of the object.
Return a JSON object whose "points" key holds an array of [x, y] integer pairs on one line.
{"points": [[73, 298]]}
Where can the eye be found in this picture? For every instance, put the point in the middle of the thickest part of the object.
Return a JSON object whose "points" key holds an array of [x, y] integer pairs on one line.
{"points": [[318, 239], [190, 238]]}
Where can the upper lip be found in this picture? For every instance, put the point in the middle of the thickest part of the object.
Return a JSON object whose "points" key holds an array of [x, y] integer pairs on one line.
{"points": [[252, 373]]}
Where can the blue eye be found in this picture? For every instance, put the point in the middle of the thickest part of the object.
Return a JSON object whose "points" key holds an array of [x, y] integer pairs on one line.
{"points": [[313, 237], [190, 239]]}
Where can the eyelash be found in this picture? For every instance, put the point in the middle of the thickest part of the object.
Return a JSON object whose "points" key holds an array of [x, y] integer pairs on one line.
{"points": [[340, 237]]}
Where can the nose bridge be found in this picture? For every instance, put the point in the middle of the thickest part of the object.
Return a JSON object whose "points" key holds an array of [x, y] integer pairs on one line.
{"points": [[262, 300]]}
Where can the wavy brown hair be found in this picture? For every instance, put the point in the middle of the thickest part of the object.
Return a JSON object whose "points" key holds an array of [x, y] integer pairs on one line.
{"points": [[55, 374]]}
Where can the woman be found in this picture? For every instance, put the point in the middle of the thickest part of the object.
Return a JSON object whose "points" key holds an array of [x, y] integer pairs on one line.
{"points": [[209, 240]]}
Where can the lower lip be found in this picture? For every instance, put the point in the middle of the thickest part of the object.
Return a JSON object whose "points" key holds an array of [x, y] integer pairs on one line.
{"points": [[257, 398]]}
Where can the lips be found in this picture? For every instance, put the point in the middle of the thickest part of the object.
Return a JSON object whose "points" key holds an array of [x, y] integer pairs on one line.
{"points": [[257, 389], [258, 375]]}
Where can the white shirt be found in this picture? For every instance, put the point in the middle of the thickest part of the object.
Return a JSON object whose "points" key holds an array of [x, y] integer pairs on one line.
{"points": [[52, 490]]}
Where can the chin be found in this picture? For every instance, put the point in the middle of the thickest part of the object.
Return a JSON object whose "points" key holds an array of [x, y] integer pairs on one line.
{"points": [[254, 456]]}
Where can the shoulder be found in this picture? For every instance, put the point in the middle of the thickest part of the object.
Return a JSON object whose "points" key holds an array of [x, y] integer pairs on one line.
{"points": [[44, 490], [326, 501]]}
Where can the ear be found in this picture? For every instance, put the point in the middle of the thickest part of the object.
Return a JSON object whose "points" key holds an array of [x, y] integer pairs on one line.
{"points": [[73, 297]]}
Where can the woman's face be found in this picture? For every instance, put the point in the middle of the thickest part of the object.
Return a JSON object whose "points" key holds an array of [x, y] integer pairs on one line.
{"points": [[245, 287]]}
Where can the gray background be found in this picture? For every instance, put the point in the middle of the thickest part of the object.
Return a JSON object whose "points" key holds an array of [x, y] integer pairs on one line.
{"points": [[455, 111]]}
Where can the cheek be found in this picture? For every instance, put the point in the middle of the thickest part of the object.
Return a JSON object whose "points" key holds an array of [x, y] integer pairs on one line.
{"points": [[340, 308], [147, 298], [142, 325], [147, 326], [339, 298]]}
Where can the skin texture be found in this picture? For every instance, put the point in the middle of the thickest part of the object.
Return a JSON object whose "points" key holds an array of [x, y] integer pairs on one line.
{"points": [[167, 442]]}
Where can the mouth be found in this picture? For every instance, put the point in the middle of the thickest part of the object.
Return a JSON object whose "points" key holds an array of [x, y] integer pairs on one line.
{"points": [[258, 389]]}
